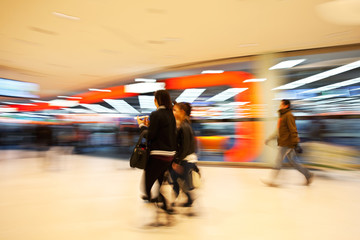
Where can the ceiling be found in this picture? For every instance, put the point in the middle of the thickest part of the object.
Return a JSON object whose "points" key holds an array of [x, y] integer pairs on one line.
{"points": [[102, 42]]}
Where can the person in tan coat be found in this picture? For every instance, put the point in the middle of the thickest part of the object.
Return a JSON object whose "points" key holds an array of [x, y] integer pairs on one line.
{"points": [[288, 139]]}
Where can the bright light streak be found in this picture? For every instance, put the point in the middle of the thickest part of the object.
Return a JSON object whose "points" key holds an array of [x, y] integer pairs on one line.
{"points": [[190, 95], [287, 64], [320, 76], [228, 93], [144, 87], [121, 106]]}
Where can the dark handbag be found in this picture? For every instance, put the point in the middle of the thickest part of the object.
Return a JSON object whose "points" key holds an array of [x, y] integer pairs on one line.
{"points": [[139, 155]]}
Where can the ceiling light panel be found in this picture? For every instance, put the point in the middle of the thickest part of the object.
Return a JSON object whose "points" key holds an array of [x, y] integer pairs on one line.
{"points": [[228, 93], [212, 71], [99, 90], [98, 108], [320, 76], [333, 86], [255, 80], [144, 87], [190, 95], [287, 64], [151, 80], [121, 106], [322, 97], [63, 103], [147, 102]]}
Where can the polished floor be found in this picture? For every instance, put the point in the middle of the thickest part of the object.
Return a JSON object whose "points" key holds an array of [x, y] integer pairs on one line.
{"points": [[80, 197]]}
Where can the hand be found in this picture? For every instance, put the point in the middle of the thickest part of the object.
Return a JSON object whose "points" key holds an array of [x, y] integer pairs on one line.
{"points": [[143, 120]]}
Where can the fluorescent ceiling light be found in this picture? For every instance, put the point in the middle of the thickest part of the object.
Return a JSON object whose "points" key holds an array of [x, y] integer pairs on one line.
{"points": [[287, 64], [99, 90], [121, 106], [256, 80], [355, 89], [98, 108], [228, 93], [144, 87], [7, 109], [190, 95], [39, 101], [145, 80], [65, 16], [147, 102], [320, 76], [322, 97], [23, 104], [237, 103], [212, 71], [332, 100], [63, 103], [69, 97], [333, 86]]}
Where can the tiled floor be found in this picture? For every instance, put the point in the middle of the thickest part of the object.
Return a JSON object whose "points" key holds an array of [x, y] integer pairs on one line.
{"points": [[81, 197]]}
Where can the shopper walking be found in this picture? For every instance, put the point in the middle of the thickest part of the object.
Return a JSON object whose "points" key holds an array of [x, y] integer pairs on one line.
{"points": [[185, 158], [287, 137], [161, 140]]}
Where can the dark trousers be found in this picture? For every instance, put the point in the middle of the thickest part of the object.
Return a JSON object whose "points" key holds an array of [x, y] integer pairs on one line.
{"points": [[185, 176], [155, 170]]}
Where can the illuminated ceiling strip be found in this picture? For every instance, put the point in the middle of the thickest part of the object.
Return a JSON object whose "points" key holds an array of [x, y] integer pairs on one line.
{"points": [[322, 97], [98, 108], [99, 90], [147, 102], [121, 106], [228, 93], [333, 86], [151, 80], [63, 103], [331, 101], [212, 71], [190, 95], [287, 64], [22, 104], [255, 80], [144, 87], [320, 76], [69, 97]]}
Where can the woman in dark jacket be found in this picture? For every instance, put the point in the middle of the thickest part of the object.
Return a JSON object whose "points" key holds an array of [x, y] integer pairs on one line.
{"points": [[185, 158], [161, 140]]}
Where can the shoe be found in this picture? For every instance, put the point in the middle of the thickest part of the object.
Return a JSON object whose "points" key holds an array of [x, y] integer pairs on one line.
{"points": [[187, 204], [269, 183], [146, 198], [309, 179]]}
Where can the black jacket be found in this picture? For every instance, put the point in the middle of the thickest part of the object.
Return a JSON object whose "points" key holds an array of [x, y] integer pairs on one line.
{"points": [[186, 143], [161, 131]]}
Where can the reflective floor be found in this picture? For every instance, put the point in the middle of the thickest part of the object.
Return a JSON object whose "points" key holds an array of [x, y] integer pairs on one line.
{"points": [[82, 197]]}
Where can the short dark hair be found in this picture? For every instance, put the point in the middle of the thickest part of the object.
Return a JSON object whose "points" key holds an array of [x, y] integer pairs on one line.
{"points": [[184, 106], [286, 103], [163, 99]]}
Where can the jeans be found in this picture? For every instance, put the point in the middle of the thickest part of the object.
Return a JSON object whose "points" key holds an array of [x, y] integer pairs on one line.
{"points": [[293, 160]]}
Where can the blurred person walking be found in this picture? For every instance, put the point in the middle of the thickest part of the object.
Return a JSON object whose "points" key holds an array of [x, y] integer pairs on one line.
{"points": [[161, 140], [288, 139], [185, 158]]}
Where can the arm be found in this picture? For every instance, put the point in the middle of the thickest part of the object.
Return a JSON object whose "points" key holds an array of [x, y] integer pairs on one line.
{"points": [[184, 142], [154, 126]]}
